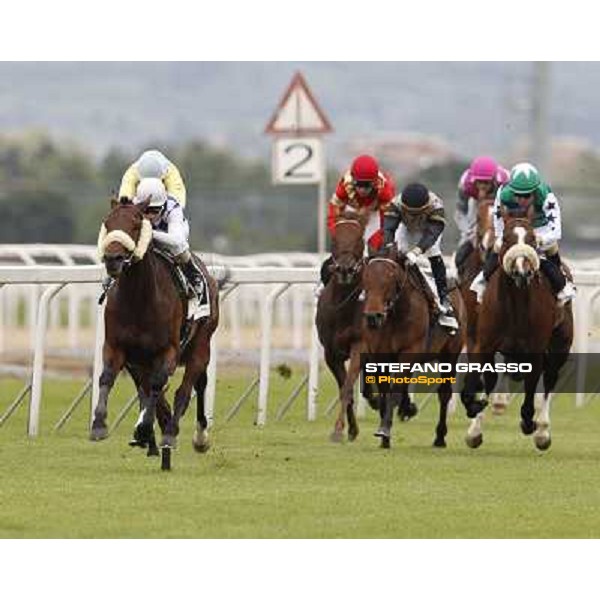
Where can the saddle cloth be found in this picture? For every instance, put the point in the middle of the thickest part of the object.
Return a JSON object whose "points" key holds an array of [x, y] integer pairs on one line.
{"points": [[195, 310]]}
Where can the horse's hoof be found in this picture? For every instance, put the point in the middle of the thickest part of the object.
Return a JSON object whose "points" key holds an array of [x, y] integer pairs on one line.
{"points": [[475, 441], [352, 434], [165, 463], [439, 443], [386, 443], [411, 411], [200, 442], [528, 428], [153, 451], [542, 441], [382, 433], [133, 443], [98, 434], [336, 437]]}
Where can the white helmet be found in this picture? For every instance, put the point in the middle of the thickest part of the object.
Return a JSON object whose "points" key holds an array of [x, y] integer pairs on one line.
{"points": [[152, 188], [152, 163]]}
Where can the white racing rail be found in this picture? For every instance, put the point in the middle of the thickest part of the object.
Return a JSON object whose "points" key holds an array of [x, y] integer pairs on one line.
{"points": [[277, 280], [56, 278]]}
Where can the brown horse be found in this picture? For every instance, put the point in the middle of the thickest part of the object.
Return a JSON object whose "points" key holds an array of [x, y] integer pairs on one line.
{"points": [[144, 318], [338, 307], [470, 268], [397, 320], [520, 318]]}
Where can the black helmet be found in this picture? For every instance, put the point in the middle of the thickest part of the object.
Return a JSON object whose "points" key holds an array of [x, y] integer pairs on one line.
{"points": [[414, 197]]}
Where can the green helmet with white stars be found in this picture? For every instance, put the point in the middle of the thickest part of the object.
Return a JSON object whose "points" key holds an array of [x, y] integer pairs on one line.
{"points": [[524, 179]]}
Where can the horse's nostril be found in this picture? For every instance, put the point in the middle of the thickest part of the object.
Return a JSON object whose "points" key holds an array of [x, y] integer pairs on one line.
{"points": [[375, 320]]}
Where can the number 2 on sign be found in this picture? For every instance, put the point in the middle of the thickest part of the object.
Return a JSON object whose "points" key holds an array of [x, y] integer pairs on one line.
{"points": [[293, 170]]}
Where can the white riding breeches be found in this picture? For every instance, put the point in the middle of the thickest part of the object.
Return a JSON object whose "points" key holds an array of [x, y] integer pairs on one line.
{"points": [[406, 240]]}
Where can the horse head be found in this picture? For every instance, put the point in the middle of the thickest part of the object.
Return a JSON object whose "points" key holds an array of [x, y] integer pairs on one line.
{"points": [[348, 246], [382, 281], [124, 236], [518, 254], [485, 225]]}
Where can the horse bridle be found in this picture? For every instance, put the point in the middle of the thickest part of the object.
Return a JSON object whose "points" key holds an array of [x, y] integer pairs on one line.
{"points": [[355, 269], [400, 284]]}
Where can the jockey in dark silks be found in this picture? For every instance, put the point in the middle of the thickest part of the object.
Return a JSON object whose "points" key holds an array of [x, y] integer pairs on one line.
{"points": [[416, 220]]}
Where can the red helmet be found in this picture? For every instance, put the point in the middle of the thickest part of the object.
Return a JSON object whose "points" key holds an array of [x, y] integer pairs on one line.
{"points": [[364, 168]]}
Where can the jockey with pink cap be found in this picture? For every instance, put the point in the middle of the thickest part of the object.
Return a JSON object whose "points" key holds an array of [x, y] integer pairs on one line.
{"points": [[479, 182]]}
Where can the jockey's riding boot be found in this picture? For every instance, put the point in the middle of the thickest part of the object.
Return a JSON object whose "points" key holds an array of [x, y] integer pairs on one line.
{"points": [[561, 286], [480, 282], [438, 269], [195, 277], [463, 252]]}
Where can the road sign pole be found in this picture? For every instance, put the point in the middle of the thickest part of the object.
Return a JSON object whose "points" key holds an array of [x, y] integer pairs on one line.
{"points": [[322, 210]]}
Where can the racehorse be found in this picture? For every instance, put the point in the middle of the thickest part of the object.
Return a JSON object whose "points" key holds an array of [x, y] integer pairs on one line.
{"points": [[338, 316], [144, 318], [397, 319], [469, 269], [338, 308], [520, 318]]}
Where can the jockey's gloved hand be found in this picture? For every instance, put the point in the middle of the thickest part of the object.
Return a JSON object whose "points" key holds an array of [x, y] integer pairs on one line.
{"points": [[413, 255]]}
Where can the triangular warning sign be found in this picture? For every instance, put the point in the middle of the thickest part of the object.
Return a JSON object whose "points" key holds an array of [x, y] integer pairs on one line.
{"points": [[298, 111]]}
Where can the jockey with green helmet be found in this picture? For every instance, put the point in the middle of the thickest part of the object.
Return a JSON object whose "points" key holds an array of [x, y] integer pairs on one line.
{"points": [[525, 189]]}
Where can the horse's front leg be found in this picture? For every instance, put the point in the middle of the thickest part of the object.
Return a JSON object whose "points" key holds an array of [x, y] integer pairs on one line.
{"points": [[113, 360], [386, 413], [528, 425], [195, 373], [347, 397]]}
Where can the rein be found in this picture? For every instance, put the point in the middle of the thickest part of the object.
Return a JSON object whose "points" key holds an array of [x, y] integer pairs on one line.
{"points": [[399, 284]]}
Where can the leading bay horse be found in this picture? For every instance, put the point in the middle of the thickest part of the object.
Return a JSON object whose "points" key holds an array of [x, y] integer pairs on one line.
{"points": [[519, 317], [397, 319], [144, 318], [339, 314]]}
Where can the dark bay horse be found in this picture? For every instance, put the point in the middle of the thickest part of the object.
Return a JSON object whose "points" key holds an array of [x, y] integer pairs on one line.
{"points": [[339, 314], [397, 320], [144, 318], [338, 307], [470, 268], [519, 317]]}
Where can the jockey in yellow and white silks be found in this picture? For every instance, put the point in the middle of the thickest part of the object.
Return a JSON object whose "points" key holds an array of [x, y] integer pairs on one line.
{"points": [[171, 231], [154, 164]]}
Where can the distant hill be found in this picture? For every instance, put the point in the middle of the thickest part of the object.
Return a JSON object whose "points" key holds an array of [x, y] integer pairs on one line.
{"points": [[477, 107]]}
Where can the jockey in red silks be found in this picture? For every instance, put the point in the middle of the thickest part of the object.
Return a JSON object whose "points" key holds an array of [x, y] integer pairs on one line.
{"points": [[479, 182], [367, 190]]}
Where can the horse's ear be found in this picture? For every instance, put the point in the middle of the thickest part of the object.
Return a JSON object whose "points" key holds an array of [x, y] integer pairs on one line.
{"points": [[503, 213], [145, 204], [113, 202]]}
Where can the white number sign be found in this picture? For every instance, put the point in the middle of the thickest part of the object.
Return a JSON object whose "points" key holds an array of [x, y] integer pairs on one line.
{"points": [[297, 160]]}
